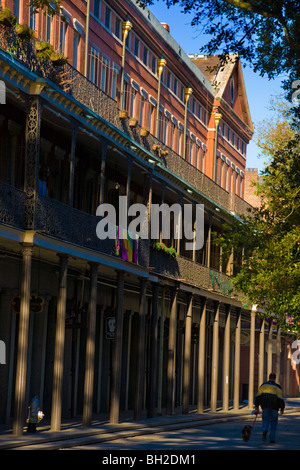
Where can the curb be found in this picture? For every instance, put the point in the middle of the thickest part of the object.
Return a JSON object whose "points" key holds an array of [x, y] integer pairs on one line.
{"points": [[71, 438]]}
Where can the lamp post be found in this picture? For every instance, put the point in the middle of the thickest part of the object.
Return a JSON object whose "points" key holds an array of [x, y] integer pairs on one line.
{"points": [[126, 27], [187, 93], [161, 63], [87, 30], [217, 121]]}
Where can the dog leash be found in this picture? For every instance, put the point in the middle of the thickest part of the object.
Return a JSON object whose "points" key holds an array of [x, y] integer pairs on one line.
{"points": [[256, 414]]}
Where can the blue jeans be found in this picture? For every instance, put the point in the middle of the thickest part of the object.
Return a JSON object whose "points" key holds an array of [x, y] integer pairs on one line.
{"points": [[270, 418]]}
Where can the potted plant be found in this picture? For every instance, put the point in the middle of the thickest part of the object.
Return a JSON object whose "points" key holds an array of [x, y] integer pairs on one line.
{"points": [[7, 18], [43, 50], [123, 113], [24, 32], [58, 59], [144, 131], [133, 121], [170, 251]]}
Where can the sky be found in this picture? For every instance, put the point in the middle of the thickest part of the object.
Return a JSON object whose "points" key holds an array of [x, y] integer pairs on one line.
{"points": [[260, 90]]}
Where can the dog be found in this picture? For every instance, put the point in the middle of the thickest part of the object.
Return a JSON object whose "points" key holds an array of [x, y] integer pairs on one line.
{"points": [[246, 432]]}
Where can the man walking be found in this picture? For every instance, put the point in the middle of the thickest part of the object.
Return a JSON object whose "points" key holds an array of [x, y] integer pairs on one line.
{"points": [[269, 397]]}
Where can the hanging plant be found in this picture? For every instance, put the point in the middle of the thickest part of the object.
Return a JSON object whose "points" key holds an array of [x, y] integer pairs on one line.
{"points": [[7, 18], [24, 32], [165, 249], [43, 50], [58, 59]]}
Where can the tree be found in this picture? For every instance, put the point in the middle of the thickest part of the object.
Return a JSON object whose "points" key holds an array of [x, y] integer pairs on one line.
{"points": [[270, 235], [49, 7], [265, 33]]}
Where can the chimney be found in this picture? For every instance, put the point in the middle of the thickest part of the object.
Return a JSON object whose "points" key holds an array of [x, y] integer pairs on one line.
{"points": [[166, 26]]}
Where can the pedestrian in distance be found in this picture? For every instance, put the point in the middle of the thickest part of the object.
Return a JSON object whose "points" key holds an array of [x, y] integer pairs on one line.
{"points": [[270, 398]]}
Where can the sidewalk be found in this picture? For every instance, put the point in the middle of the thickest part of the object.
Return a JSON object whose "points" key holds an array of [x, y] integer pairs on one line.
{"points": [[101, 430]]}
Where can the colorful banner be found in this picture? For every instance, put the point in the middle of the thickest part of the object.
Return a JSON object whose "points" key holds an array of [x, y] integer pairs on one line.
{"points": [[127, 246]]}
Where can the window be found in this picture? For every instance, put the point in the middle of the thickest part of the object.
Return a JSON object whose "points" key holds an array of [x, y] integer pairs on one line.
{"points": [[126, 91], [48, 28], [107, 18], [168, 79], [172, 136], [128, 41], [32, 19], [75, 49], [154, 65], [181, 93], [16, 9], [104, 73], [94, 70], [175, 85], [194, 106], [180, 133], [142, 108], [136, 47], [62, 38], [114, 82], [191, 151], [133, 102], [150, 116], [221, 172], [145, 56], [166, 130], [97, 8], [198, 153], [118, 27]]}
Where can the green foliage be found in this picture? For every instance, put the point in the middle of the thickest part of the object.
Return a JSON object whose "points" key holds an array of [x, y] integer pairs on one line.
{"points": [[24, 32], [171, 252], [266, 34], [270, 271], [7, 18], [49, 7]]}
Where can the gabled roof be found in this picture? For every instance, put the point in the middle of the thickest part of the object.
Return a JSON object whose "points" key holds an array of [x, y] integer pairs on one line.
{"points": [[219, 76]]}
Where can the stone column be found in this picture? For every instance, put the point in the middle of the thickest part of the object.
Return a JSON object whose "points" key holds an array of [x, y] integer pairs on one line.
{"points": [[187, 354], [278, 354], [237, 361], [171, 353], [117, 353], [215, 359], [261, 352], [59, 346], [161, 350], [270, 348], [201, 358], [21, 373], [226, 360], [140, 366], [153, 353], [251, 361], [90, 348]]}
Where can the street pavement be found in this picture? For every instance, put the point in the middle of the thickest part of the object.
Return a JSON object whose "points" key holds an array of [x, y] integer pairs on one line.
{"points": [[206, 431]]}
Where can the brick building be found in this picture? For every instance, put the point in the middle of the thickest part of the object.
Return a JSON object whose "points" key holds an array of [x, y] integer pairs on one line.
{"points": [[93, 325]]}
